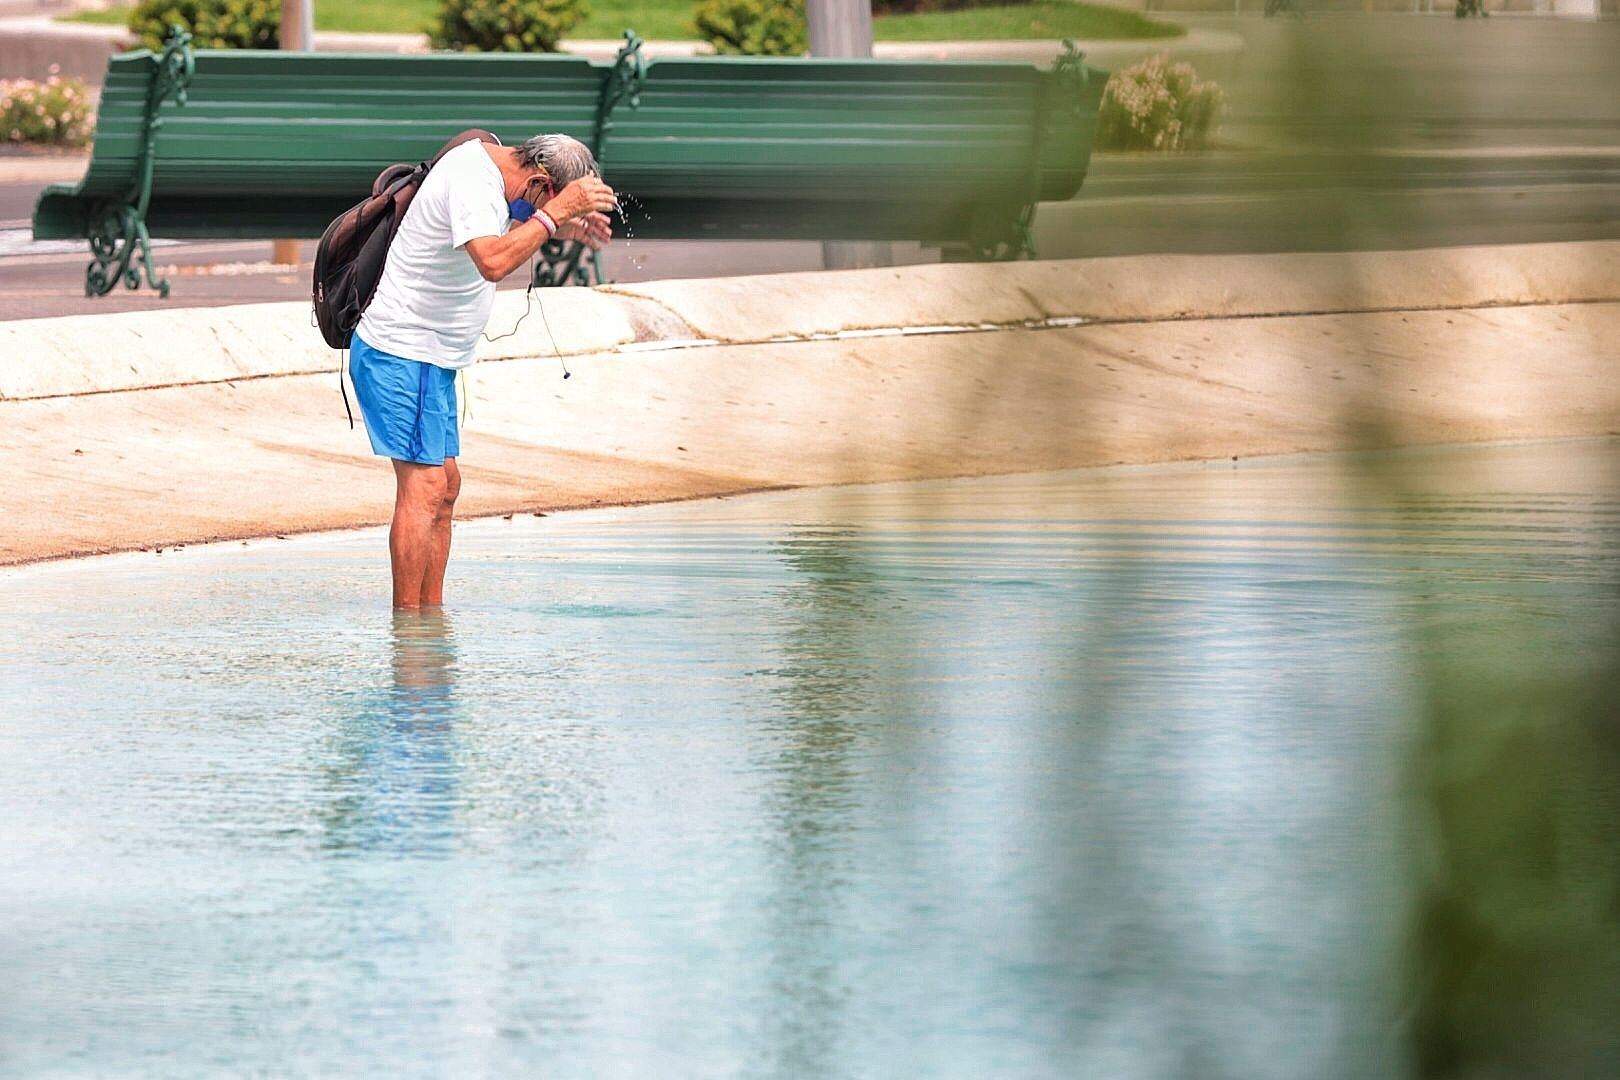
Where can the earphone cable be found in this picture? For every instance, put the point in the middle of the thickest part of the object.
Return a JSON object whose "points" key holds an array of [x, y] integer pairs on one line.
{"points": [[528, 305]]}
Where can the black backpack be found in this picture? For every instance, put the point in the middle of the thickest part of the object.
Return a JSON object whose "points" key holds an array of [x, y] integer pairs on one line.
{"points": [[349, 259]]}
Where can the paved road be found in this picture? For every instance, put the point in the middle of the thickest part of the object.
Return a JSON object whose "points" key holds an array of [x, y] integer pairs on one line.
{"points": [[211, 274], [1354, 81], [1227, 203]]}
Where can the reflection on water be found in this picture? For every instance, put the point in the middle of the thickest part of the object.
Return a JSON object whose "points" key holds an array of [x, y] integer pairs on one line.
{"points": [[830, 696], [394, 769], [1251, 771]]}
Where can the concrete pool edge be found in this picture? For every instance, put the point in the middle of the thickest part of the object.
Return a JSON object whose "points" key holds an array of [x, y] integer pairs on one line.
{"points": [[828, 402], [72, 355]]}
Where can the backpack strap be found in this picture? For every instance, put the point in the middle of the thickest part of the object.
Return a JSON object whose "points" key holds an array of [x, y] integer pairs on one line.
{"points": [[465, 137], [392, 175]]}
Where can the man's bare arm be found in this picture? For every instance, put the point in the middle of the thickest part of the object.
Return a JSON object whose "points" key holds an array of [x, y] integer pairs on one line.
{"points": [[498, 256]]}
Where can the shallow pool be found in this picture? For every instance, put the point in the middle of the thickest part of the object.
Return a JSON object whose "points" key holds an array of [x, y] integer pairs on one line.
{"points": [[1094, 774]]}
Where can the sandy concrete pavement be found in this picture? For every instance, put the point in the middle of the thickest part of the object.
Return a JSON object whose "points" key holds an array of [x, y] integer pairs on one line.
{"points": [[128, 434]]}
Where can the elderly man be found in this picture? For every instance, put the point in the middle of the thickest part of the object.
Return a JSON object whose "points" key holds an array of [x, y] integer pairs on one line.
{"points": [[480, 214]]}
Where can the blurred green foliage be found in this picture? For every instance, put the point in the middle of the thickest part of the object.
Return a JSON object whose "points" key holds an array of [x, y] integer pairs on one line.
{"points": [[1515, 940]]}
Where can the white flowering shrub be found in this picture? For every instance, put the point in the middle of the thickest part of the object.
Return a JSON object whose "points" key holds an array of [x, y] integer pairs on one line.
{"points": [[56, 112], [1157, 105]]}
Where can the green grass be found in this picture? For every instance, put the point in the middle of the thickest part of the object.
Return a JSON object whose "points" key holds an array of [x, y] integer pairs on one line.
{"points": [[1040, 20], [655, 20], [357, 16], [652, 19], [106, 17], [375, 16], [670, 20]]}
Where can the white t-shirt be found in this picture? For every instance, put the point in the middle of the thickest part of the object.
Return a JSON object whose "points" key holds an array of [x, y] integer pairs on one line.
{"points": [[432, 303]]}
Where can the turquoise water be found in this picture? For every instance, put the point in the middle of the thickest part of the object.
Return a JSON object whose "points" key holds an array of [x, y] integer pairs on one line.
{"points": [[1099, 773]]}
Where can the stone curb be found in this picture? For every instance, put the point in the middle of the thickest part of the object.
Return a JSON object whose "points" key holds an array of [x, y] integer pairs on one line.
{"points": [[1137, 288], [77, 355], [136, 350]]}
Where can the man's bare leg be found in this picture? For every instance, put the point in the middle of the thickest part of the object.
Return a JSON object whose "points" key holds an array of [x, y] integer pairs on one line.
{"points": [[439, 557], [418, 493]]}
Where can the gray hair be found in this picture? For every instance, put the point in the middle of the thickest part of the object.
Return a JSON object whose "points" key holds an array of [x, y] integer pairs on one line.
{"points": [[563, 158]]}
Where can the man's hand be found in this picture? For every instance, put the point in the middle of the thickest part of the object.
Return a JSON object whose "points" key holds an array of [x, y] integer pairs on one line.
{"points": [[594, 230], [580, 213], [587, 195]]}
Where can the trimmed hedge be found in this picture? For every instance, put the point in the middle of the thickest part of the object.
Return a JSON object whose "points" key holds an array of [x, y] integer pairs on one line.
{"points": [[754, 27], [505, 25], [214, 24]]}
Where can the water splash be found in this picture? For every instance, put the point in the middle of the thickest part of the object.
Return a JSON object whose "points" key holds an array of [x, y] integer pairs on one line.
{"points": [[636, 260]]}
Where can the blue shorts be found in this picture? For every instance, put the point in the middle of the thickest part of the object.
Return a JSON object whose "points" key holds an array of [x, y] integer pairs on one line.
{"points": [[409, 407]]}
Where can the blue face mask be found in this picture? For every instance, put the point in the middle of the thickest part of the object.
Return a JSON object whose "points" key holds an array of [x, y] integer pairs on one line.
{"points": [[522, 210]]}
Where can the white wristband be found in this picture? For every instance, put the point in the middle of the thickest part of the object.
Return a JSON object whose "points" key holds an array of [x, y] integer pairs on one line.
{"points": [[546, 220]]}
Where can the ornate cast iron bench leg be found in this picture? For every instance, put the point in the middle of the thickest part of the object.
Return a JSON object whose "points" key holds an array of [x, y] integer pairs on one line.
{"points": [[118, 227]]}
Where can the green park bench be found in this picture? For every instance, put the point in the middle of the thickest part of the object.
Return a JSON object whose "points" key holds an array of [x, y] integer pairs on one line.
{"points": [[237, 144]]}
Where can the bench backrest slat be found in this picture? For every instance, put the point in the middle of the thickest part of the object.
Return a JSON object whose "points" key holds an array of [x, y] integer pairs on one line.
{"points": [[735, 146]]}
